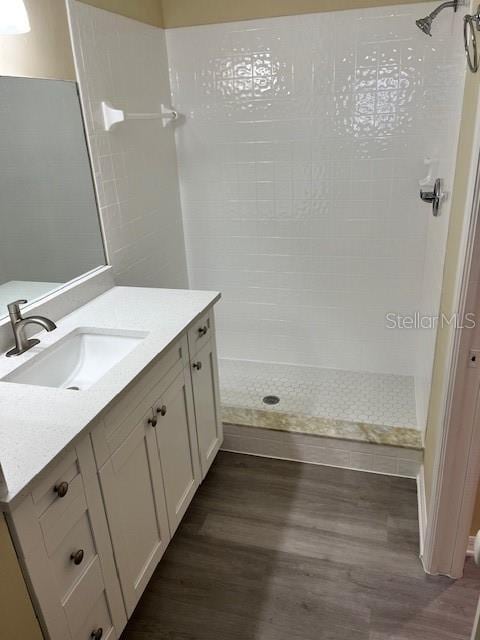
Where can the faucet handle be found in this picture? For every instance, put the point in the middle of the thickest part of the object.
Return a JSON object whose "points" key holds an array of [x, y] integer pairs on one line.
{"points": [[14, 308]]}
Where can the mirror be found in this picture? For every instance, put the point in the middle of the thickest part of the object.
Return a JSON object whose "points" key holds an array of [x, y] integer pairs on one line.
{"points": [[49, 223]]}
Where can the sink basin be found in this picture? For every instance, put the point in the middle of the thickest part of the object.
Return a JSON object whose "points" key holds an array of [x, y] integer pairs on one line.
{"points": [[77, 360]]}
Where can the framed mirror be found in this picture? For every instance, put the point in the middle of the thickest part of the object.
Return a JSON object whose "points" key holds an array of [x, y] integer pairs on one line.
{"points": [[50, 230]]}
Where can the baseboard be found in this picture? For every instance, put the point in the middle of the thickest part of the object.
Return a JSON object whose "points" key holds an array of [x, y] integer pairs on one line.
{"points": [[471, 545], [422, 508]]}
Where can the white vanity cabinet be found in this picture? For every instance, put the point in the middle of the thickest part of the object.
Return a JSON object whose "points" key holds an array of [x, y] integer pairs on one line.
{"points": [[177, 445], [133, 492], [61, 536], [88, 554], [206, 399], [204, 368]]}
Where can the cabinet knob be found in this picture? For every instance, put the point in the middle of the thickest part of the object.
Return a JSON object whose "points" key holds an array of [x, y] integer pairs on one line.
{"points": [[152, 421], [197, 365], [202, 330], [162, 410], [97, 634], [61, 489], [77, 557]]}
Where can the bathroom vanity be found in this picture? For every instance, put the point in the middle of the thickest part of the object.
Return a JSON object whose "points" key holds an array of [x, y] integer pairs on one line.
{"points": [[96, 480], [109, 422]]}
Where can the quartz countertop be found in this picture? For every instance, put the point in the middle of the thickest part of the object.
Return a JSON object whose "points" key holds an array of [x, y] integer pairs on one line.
{"points": [[38, 423]]}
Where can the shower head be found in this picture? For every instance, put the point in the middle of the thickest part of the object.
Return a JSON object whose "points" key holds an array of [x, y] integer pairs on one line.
{"points": [[425, 24]]}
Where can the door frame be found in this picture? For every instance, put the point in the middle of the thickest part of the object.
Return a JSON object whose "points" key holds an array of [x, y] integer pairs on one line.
{"points": [[457, 459]]}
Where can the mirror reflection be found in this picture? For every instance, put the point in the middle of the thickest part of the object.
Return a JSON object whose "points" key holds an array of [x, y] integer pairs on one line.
{"points": [[49, 224]]}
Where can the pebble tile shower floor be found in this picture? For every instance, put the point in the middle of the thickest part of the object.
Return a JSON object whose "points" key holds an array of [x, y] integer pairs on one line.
{"points": [[373, 398]]}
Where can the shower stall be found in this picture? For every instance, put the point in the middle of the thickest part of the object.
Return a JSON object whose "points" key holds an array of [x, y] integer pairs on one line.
{"points": [[307, 139]]}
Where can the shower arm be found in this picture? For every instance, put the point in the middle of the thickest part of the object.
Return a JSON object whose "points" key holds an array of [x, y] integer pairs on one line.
{"points": [[454, 4]]}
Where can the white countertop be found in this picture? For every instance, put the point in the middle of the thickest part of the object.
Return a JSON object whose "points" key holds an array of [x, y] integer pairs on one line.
{"points": [[38, 423]]}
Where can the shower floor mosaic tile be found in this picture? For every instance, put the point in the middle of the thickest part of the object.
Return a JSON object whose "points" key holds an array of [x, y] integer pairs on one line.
{"points": [[362, 406]]}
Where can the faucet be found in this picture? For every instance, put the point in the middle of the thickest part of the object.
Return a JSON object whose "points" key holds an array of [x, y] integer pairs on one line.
{"points": [[22, 343]]}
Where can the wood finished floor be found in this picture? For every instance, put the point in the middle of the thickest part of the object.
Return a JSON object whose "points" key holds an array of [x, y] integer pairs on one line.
{"points": [[275, 550]]}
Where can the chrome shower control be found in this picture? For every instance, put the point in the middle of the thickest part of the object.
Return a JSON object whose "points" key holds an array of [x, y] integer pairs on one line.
{"points": [[434, 197]]}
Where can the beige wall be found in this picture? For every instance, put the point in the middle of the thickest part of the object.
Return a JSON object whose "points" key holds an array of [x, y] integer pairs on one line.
{"points": [[149, 11], [46, 51], [452, 265], [17, 619], [476, 515], [185, 13]]}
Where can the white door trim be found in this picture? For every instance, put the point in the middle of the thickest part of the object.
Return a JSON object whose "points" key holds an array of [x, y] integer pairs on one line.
{"points": [[457, 462], [422, 509]]}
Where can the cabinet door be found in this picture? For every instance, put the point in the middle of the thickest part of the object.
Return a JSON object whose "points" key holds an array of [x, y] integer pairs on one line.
{"points": [[135, 504], [206, 397], [178, 448]]}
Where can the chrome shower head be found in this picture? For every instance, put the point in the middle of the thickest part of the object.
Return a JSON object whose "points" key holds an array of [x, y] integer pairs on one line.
{"points": [[425, 25]]}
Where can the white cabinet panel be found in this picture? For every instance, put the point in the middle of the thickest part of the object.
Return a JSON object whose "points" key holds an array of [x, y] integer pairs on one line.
{"points": [[200, 333], [71, 521], [177, 445], [97, 619], [206, 398], [135, 503]]}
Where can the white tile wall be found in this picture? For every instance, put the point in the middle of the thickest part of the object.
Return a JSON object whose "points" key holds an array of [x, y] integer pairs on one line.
{"points": [[299, 160], [125, 62]]}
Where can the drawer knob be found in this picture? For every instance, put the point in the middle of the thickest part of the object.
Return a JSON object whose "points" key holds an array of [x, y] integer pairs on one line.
{"points": [[152, 421], [77, 557], [162, 410], [197, 365], [202, 330], [61, 489], [97, 634]]}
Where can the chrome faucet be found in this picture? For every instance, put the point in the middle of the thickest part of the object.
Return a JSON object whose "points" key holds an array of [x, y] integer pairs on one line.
{"points": [[22, 343]]}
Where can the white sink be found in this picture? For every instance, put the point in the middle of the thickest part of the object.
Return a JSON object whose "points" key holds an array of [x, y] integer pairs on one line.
{"points": [[77, 360]]}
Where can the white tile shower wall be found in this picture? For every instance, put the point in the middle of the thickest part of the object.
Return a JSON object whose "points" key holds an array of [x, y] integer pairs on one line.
{"points": [[299, 160], [443, 86], [125, 62]]}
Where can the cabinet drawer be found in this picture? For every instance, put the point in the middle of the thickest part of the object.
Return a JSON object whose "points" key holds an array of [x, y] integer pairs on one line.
{"points": [[98, 618], [200, 332], [59, 518], [78, 542], [81, 601], [55, 487]]}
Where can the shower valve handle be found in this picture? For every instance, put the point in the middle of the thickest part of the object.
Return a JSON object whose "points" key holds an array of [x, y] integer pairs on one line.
{"points": [[434, 197]]}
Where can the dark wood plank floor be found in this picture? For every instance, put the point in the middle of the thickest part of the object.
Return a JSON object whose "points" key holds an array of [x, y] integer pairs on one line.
{"points": [[274, 550]]}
